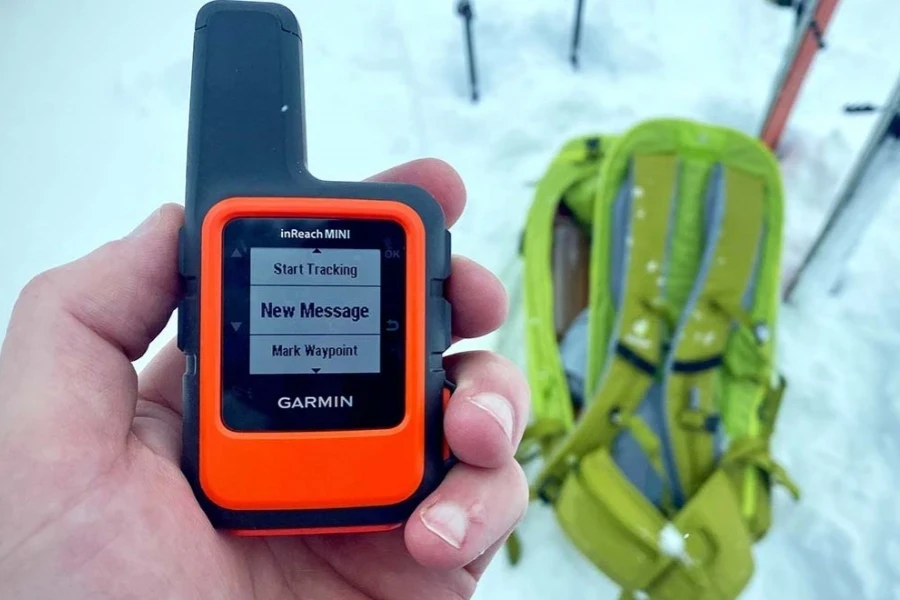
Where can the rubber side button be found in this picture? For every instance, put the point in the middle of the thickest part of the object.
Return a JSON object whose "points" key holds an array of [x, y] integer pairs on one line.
{"points": [[181, 324], [182, 253], [445, 312], [448, 254]]}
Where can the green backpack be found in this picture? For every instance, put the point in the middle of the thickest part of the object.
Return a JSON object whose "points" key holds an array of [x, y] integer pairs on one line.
{"points": [[663, 480]]}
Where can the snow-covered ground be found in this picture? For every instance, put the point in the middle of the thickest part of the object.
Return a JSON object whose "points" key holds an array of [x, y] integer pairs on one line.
{"points": [[93, 116]]}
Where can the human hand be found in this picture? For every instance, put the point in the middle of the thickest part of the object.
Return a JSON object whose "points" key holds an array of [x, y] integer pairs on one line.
{"points": [[92, 501]]}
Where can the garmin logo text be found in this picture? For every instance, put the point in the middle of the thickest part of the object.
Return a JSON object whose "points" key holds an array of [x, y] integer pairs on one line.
{"points": [[316, 402], [315, 234]]}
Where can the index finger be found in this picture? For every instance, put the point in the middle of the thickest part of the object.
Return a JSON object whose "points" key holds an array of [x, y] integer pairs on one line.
{"points": [[434, 176]]}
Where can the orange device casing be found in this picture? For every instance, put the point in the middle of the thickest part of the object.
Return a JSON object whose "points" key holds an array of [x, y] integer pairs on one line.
{"points": [[310, 470]]}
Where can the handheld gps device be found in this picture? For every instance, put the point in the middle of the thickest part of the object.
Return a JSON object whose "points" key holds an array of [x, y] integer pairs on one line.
{"points": [[313, 319]]}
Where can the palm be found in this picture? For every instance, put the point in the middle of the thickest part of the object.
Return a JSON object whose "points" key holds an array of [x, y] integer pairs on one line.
{"points": [[138, 522], [370, 566], [352, 567]]}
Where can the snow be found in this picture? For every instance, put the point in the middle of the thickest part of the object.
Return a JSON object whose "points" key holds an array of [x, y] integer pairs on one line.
{"points": [[673, 543], [94, 104]]}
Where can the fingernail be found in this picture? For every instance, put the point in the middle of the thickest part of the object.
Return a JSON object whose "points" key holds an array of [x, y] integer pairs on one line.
{"points": [[146, 225], [448, 521], [499, 408]]}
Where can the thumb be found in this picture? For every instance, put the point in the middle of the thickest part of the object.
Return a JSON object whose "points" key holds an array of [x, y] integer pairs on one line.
{"points": [[65, 367]]}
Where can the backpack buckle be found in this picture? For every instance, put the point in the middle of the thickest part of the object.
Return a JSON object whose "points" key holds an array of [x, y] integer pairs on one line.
{"points": [[761, 333], [698, 420], [592, 145]]}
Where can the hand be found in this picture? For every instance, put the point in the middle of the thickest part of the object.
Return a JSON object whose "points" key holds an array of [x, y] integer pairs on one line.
{"points": [[92, 501]]}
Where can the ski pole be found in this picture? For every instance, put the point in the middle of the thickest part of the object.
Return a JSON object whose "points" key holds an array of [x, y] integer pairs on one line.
{"points": [[893, 129], [464, 10], [808, 41], [800, 8], [797, 5], [576, 32], [848, 195], [861, 108]]}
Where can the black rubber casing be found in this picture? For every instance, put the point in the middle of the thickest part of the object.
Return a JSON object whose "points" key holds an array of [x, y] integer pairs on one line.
{"points": [[246, 138]]}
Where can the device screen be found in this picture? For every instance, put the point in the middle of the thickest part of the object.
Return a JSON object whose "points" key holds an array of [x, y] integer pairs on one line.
{"points": [[313, 324]]}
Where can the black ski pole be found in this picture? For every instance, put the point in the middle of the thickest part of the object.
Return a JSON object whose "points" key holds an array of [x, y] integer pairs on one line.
{"points": [[894, 127], [801, 6], [464, 9], [576, 33], [863, 107], [848, 197]]}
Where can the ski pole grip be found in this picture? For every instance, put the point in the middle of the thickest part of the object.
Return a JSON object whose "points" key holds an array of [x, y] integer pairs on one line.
{"points": [[860, 108]]}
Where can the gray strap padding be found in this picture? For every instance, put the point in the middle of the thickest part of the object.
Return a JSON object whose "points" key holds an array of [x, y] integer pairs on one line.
{"points": [[714, 210], [626, 452]]}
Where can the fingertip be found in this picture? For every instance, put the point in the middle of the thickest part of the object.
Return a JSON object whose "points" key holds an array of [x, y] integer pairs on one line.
{"points": [[435, 176], [471, 511], [431, 549], [446, 184], [481, 429], [478, 299], [172, 213], [488, 412], [166, 218]]}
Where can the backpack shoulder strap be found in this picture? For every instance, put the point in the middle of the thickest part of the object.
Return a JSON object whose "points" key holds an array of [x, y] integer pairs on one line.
{"points": [[579, 160], [733, 219], [642, 207]]}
